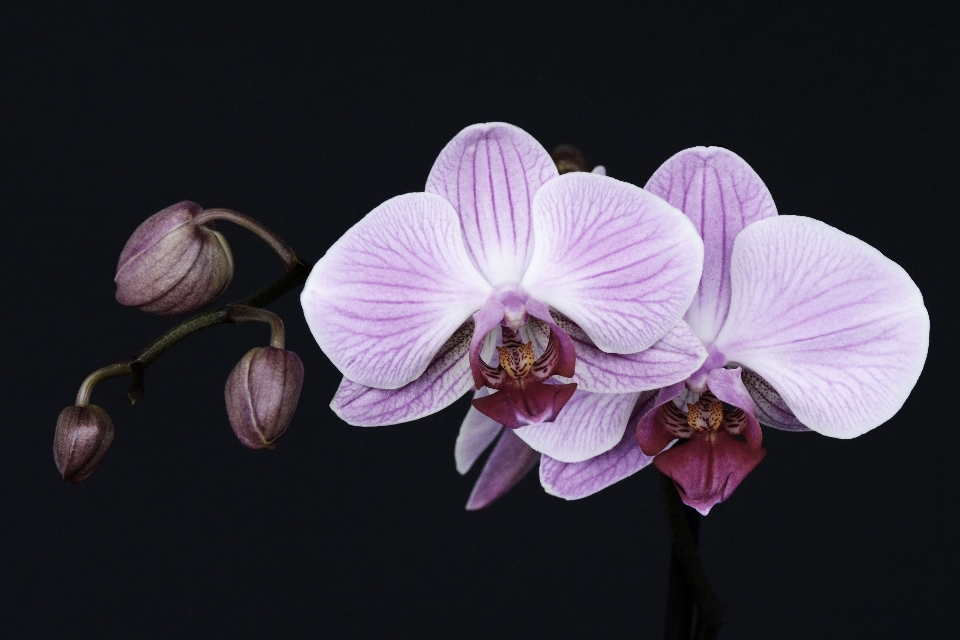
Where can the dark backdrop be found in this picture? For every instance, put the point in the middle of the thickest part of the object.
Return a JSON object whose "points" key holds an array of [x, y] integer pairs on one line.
{"points": [[306, 117]]}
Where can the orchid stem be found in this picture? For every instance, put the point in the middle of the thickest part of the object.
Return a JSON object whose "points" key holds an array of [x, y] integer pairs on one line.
{"points": [[235, 312], [687, 577], [281, 248]]}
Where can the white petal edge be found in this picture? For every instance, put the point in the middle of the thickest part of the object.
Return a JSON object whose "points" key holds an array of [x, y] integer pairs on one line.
{"points": [[839, 330], [588, 425], [390, 292]]}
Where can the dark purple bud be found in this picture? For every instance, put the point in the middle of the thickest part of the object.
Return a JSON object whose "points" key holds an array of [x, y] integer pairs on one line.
{"points": [[172, 265], [568, 158], [83, 436], [262, 393]]}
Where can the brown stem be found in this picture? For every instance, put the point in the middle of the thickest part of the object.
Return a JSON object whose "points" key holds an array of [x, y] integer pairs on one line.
{"points": [[288, 255], [137, 364]]}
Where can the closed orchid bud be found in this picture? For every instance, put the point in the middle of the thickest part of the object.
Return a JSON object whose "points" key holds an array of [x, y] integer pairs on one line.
{"points": [[83, 436], [262, 393], [172, 265]]}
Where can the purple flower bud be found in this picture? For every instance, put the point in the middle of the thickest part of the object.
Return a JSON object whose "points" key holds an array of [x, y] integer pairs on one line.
{"points": [[83, 436], [262, 393], [172, 265]]}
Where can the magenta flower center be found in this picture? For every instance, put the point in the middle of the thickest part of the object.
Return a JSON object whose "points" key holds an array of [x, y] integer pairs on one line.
{"points": [[706, 417]]}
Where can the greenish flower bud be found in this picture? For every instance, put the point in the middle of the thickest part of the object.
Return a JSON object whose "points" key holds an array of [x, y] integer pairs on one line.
{"points": [[172, 265], [261, 395], [83, 436]]}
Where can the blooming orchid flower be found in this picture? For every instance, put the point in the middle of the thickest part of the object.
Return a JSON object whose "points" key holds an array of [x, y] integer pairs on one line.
{"points": [[806, 327], [462, 286]]}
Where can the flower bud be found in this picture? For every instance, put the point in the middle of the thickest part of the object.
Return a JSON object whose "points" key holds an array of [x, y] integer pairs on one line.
{"points": [[172, 265], [83, 436], [262, 393]]}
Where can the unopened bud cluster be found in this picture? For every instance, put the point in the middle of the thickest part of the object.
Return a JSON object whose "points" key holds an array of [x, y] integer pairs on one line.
{"points": [[176, 263]]}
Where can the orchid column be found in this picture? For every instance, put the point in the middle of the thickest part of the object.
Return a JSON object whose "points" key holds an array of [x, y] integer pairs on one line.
{"points": [[506, 276]]}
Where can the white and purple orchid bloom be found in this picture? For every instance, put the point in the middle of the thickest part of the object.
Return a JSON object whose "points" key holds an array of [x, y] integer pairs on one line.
{"points": [[466, 285], [807, 329]]}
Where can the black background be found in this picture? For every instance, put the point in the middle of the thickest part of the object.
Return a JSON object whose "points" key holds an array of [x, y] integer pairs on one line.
{"points": [[308, 116]]}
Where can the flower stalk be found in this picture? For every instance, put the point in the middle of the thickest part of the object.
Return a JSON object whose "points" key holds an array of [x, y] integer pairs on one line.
{"points": [[711, 612], [281, 248], [134, 366]]}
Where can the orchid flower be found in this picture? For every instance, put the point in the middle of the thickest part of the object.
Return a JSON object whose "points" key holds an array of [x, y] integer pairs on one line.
{"points": [[462, 286], [806, 327]]}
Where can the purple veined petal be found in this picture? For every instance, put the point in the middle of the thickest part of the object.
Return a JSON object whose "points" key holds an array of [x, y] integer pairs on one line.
{"points": [[392, 290], [509, 461], [721, 194], [618, 261], [575, 480], [477, 432], [590, 424], [771, 410], [671, 359], [839, 330], [446, 379], [490, 173]]}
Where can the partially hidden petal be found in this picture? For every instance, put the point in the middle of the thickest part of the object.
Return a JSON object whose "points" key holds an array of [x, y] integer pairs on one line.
{"points": [[575, 480], [771, 410], [728, 387], [670, 359], [490, 173], [509, 461], [391, 291], [485, 320], [652, 435], [590, 424], [477, 432], [618, 261], [721, 194], [706, 469], [839, 330], [446, 379]]}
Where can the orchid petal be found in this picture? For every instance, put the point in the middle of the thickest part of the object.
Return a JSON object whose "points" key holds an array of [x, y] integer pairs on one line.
{"points": [[771, 410], [839, 330], [392, 290], [490, 173], [618, 261], [707, 471], [509, 461], [721, 194], [652, 435], [476, 434], [590, 424], [672, 358], [446, 379], [575, 480]]}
